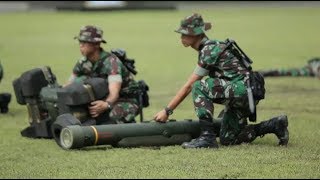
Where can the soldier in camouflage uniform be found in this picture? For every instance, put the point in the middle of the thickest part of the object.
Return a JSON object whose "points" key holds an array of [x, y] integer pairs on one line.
{"points": [[5, 98], [96, 62], [311, 69], [226, 85]]}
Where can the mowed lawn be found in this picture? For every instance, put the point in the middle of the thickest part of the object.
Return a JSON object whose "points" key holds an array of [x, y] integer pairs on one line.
{"points": [[272, 37]]}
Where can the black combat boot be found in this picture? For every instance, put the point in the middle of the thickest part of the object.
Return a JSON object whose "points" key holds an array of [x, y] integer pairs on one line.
{"points": [[277, 125], [207, 138], [4, 102]]}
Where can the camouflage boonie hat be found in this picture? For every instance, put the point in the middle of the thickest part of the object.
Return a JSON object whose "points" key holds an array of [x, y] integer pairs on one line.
{"points": [[90, 34], [193, 25]]}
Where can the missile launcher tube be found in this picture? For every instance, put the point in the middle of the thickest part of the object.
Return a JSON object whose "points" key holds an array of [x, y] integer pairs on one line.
{"points": [[128, 135]]}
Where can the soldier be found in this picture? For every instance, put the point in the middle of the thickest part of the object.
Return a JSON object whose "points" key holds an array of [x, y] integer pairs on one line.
{"points": [[311, 69], [226, 85], [5, 98], [96, 62]]}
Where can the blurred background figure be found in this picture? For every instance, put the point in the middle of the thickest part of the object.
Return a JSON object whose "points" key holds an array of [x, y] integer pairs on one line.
{"points": [[4, 97], [311, 69]]}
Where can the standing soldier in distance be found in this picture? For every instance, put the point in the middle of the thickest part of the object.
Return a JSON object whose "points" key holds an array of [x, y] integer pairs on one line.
{"points": [[226, 85], [96, 62]]}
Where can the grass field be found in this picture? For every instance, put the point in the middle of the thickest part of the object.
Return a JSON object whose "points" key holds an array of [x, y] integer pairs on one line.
{"points": [[272, 37]]}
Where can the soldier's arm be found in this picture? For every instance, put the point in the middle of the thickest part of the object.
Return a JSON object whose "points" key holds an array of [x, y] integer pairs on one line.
{"points": [[114, 90], [75, 71], [184, 91], [98, 107], [70, 80], [200, 71], [115, 82], [162, 116]]}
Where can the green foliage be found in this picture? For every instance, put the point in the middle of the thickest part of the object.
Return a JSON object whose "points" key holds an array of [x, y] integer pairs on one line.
{"points": [[272, 37]]}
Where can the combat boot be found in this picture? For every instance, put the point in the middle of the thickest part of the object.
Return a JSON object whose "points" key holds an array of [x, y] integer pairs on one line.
{"points": [[277, 125], [207, 138], [5, 99]]}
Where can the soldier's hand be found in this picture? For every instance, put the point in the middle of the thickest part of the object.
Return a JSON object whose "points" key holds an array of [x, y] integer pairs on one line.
{"points": [[97, 107], [161, 116]]}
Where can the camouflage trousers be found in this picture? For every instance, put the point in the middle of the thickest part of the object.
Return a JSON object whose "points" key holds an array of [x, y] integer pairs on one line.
{"points": [[124, 111], [231, 94]]}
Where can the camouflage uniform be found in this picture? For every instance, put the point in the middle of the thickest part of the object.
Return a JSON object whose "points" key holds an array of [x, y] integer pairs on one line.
{"points": [[5, 98], [225, 85], [111, 68], [311, 69]]}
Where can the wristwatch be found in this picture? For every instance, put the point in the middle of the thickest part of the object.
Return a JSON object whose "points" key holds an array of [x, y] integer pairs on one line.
{"points": [[109, 104], [168, 111]]}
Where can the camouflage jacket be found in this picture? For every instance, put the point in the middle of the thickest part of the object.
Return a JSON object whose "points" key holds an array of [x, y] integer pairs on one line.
{"points": [[108, 67], [211, 62]]}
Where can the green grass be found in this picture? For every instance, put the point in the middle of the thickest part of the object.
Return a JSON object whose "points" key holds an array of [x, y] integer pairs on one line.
{"points": [[272, 37]]}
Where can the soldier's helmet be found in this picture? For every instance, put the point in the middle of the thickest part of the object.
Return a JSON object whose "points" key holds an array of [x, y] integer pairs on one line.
{"points": [[91, 34], [193, 25]]}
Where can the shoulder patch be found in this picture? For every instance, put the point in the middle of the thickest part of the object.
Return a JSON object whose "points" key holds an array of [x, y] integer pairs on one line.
{"points": [[113, 59]]}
